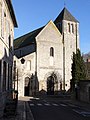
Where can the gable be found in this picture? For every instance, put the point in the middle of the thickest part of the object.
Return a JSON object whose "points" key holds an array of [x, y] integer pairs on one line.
{"points": [[49, 33]]}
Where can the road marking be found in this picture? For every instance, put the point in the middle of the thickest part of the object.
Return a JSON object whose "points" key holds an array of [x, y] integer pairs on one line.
{"points": [[39, 104], [63, 105], [47, 104], [31, 104], [55, 104], [84, 113], [71, 105], [37, 98]]}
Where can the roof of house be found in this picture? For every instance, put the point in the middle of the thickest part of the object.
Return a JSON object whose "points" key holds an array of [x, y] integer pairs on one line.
{"points": [[26, 39], [10, 7], [65, 15]]}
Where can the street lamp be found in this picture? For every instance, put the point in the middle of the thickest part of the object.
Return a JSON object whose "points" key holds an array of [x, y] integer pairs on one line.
{"points": [[22, 60]]}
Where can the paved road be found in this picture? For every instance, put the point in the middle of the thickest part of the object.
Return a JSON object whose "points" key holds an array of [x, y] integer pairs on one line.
{"points": [[56, 110]]}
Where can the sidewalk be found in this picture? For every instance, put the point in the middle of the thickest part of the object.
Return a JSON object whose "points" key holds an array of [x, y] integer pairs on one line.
{"points": [[23, 111]]}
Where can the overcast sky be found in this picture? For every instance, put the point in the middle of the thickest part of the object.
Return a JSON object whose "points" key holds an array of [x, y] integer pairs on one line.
{"points": [[33, 14]]}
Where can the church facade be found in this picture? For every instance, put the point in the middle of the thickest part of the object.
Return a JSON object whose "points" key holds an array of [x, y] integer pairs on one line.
{"points": [[43, 57]]}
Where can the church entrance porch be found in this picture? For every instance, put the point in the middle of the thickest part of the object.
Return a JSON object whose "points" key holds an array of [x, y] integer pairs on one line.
{"points": [[26, 86]]}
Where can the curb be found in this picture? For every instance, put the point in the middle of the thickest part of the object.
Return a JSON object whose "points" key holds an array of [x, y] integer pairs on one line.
{"points": [[29, 115]]}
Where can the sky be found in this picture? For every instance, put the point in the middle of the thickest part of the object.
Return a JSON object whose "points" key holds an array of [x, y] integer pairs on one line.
{"points": [[33, 14]]}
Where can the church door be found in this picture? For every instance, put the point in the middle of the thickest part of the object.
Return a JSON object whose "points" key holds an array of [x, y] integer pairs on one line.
{"points": [[50, 85], [26, 86]]}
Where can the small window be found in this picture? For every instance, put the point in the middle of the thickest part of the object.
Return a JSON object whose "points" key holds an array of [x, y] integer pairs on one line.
{"points": [[52, 51], [72, 28], [4, 14], [9, 41], [69, 27]]}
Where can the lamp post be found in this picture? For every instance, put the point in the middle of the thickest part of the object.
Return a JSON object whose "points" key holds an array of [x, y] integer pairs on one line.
{"points": [[22, 60]]}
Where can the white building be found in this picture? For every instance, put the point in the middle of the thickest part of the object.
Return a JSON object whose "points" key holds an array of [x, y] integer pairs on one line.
{"points": [[7, 24], [47, 52]]}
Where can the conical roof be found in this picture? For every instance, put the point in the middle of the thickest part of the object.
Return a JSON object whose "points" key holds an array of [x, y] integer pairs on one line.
{"points": [[65, 15]]}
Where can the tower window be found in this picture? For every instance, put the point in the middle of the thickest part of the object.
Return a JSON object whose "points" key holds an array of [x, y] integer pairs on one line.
{"points": [[72, 28], [69, 27], [52, 51]]}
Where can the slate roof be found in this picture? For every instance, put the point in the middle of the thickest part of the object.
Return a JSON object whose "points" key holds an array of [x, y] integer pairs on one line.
{"points": [[65, 15], [26, 39]]}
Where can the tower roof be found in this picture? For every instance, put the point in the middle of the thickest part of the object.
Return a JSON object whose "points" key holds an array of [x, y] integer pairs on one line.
{"points": [[65, 15]]}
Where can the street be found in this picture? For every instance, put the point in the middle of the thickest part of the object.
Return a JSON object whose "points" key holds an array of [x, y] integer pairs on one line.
{"points": [[49, 109]]}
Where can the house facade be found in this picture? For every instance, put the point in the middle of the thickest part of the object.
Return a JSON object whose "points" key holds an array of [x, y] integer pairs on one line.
{"points": [[7, 24], [47, 55]]}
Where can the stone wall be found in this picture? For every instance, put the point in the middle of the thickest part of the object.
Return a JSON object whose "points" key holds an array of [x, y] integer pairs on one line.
{"points": [[84, 90]]}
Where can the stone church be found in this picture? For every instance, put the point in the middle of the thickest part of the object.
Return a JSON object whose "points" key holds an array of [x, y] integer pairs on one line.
{"points": [[43, 57]]}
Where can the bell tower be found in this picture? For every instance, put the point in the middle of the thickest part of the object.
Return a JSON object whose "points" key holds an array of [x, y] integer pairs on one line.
{"points": [[69, 28]]}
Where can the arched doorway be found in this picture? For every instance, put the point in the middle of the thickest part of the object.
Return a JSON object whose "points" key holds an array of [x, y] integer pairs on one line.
{"points": [[26, 86], [52, 84]]}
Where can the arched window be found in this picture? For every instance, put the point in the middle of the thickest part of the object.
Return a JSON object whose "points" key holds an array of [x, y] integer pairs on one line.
{"points": [[52, 51]]}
